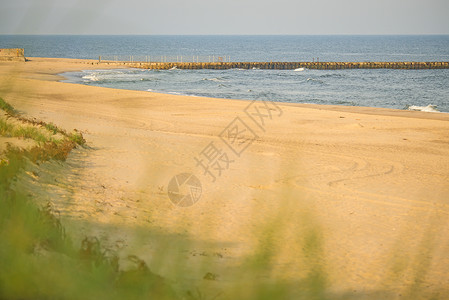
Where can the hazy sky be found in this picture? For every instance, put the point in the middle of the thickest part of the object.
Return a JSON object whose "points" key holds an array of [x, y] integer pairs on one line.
{"points": [[224, 17]]}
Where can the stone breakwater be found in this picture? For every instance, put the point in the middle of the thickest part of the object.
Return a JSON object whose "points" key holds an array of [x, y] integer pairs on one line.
{"points": [[283, 65]]}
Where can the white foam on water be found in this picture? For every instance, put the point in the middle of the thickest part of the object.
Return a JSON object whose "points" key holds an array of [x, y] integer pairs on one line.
{"points": [[314, 80], [99, 75], [91, 77], [428, 108], [213, 79]]}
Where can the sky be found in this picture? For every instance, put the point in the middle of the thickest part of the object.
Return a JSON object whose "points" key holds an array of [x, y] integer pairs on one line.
{"points": [[211, 17]]}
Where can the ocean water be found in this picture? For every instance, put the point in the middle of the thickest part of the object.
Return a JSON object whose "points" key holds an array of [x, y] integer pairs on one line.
{"points": [[402, 89]]}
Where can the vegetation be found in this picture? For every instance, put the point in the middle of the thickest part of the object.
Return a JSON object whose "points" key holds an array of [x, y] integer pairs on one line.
{"points": [[33, 129], [7, 107], [37, 257]]}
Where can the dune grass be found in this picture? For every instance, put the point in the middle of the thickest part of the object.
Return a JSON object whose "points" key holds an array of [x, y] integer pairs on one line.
{"points": [[7, 107], [6, 128], [38, 259], [36, 130]]}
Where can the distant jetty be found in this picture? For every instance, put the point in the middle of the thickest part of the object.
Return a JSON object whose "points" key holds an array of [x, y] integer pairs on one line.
{"points": [[282, 65]]}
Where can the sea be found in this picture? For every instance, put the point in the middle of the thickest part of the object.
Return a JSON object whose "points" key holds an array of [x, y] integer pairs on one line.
{"points": [[425, 90]]}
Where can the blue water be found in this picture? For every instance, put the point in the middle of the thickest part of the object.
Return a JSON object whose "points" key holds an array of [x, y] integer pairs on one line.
{"points": [[379, 88]]}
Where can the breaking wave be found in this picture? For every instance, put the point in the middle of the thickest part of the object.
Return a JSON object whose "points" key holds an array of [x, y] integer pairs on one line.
{"points": [[428, 108]]}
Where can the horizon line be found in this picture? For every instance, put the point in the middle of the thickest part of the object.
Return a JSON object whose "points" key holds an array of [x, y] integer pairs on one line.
{"points": [[220, 34]]}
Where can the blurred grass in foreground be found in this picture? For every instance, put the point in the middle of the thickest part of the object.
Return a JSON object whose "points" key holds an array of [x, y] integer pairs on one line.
{"points": [[37, 258]]}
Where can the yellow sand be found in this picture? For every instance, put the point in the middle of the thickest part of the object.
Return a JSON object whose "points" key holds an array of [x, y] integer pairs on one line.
{"points": [[369, 186]]}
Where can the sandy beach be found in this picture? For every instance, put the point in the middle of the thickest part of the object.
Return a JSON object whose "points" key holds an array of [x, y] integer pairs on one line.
{"points": [[356, 195]]}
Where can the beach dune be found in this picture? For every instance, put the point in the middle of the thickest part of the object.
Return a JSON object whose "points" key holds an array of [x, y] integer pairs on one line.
{"points": [[357, 196]]}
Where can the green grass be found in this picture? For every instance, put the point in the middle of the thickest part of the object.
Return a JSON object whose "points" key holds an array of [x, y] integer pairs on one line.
{"points": [[38, 260], [77, 138], [30, 132], [37, 128], [6, 128], [7, 107], [52, 128], [38, 131]]}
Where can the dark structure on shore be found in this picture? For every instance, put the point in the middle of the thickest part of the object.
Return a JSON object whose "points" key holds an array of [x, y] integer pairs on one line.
{"points": [[14, 54]]}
